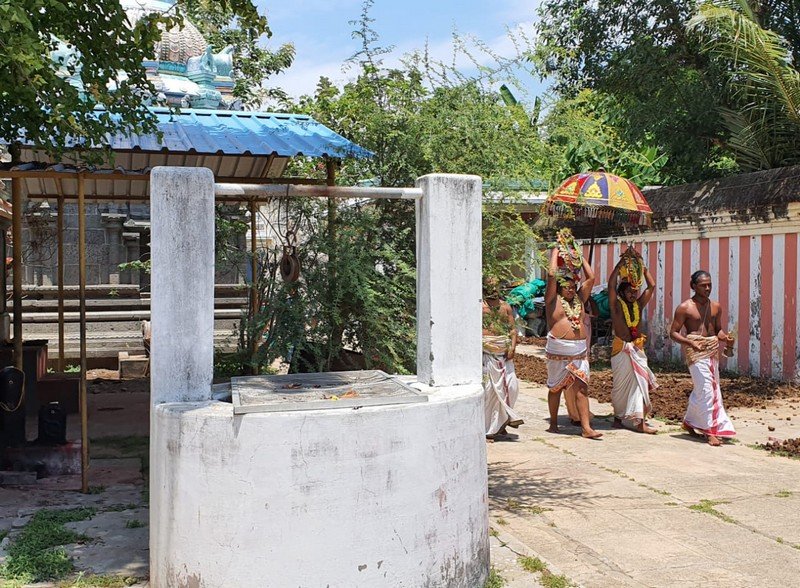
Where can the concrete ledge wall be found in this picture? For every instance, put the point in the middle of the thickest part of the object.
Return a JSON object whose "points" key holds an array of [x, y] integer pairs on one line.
{"points": [[378, 497]]}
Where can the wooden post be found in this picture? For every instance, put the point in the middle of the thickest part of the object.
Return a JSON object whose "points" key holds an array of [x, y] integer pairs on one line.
{"points": [[254, 298], [16, 268], [82, 301], [60, 261]]}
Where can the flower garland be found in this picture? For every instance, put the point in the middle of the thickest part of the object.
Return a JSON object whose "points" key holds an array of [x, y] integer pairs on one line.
{"points": [[633, 324], [632, 270], [568, 250], [573, 311]]}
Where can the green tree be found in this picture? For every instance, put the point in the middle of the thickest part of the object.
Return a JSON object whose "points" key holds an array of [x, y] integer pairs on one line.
{"points": [[47, 42], [762, 109], [665, 90], [583, 135], [252, 62]]}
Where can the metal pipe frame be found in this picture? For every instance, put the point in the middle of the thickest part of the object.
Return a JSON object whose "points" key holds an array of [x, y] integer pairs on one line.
{"points": [[294, 191], [82, 301], [16, 267]]}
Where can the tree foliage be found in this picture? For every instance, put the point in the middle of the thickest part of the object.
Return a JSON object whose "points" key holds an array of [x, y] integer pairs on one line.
{"points": [[253, 63], [762, 110], [665, 91], [44, 42]]}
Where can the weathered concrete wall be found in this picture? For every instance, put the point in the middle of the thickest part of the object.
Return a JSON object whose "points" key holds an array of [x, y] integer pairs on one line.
{"points": [[449, 280], [182, 307], [378, 497]]}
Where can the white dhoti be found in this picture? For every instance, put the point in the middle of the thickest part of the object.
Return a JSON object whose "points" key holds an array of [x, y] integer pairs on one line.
{"points": [[500, 385], [705, 414], [567, 361], [633, 380]]}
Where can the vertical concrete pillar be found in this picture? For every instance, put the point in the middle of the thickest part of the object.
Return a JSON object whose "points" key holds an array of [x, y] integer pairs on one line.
{"points": [[182, 293], [449, 280]]}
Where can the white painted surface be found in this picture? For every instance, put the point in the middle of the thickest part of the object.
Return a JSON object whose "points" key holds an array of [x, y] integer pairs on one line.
{"points": [[755, 305], [778, 293], [377, 497], [449, 280], [182, 277], [387, 496]]}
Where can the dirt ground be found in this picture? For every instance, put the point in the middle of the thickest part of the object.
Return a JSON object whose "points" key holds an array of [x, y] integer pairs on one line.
{"points": [[787, 448], [669, 400], [100, 381]]}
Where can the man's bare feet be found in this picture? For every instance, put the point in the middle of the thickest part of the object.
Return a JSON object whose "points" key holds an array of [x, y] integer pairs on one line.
{"points": [[713, 441], [617, 424], [502, 431], [591, 434], [643, 427], [553, 429], [515, 424], [689, 430]]}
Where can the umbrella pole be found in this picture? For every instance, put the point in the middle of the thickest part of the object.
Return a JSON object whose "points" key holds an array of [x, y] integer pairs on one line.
{"points": [[591, 246]]}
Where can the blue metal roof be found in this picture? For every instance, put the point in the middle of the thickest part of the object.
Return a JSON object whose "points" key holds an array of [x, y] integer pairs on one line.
{"points": [[231, 132]]}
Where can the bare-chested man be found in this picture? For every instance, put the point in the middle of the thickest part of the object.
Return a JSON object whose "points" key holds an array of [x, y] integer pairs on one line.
{"points": [[633, 379], [567, 351], [500, 384], [702, 320]]}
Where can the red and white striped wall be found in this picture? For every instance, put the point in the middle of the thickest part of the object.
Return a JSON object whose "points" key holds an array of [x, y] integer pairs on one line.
{"points": [[754, 270]]}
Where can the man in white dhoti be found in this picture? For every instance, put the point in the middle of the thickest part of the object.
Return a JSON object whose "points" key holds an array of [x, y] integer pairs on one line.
{"points": [[633, 380], [500, 384], [702, 320], [566, 348]]}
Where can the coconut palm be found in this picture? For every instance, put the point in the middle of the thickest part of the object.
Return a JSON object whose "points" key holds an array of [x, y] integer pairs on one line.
{"points": [[763, 115]]}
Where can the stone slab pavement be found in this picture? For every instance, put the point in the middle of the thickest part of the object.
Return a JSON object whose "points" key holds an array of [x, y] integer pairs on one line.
{"points": [[639, 510]]}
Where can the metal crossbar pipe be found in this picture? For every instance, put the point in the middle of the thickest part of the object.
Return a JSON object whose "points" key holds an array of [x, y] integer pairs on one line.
{"points": [[299, 191]]}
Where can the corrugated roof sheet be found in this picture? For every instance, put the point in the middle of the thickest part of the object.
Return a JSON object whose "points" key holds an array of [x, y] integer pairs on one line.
{"points": [[229, 132]]}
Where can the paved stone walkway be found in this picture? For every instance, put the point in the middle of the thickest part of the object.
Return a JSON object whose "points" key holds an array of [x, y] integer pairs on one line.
{"points": [[637, 510]]}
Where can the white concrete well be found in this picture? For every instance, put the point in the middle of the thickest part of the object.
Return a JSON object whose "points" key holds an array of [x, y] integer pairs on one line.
{"points": [[379, 496]]}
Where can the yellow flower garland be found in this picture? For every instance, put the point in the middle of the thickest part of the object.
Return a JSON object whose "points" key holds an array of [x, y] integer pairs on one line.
{"points": [[573, 312], [631, 323]]}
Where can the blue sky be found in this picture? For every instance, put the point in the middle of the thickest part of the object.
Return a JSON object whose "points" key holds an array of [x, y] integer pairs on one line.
{"points": [[321, 32]]}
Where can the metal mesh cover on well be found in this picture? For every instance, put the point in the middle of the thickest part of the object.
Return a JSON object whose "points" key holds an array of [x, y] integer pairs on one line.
{"points": [[320, 391]]}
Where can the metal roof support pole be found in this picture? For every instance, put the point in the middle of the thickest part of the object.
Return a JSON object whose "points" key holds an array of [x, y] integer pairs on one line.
{"points": [[60, 262], [82, 311], [337, 328], [255, 303], [16, 268]]}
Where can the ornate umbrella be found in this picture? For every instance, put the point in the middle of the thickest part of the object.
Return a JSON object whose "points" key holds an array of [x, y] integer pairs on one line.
{"points": [[599, 196]]}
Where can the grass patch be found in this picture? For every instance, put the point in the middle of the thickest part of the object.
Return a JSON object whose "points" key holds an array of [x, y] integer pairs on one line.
{"points": [[707, 507], [531, 564], [36, 554], [780, 540], [134, 524], [513, 504], [495, 580], [96, 489], [549, 580], [92, 581], [671, 503], [783, 494], [493, 532], [3, 535]]}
